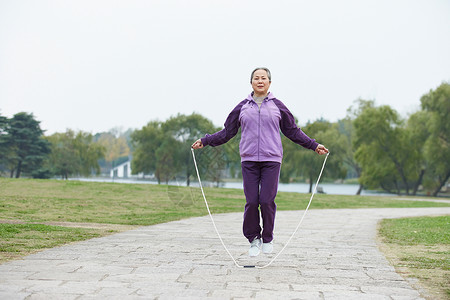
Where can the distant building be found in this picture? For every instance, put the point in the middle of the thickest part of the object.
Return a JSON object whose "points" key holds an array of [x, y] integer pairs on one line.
{"points": [[121, 171], [124, 171]]}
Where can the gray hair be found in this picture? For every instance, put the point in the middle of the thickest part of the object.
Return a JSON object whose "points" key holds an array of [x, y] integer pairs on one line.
{"points": [[262, 68]]}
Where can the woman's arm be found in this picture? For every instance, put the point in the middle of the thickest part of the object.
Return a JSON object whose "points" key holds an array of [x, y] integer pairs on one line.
{"points": [[231, 128], [290, 129]]}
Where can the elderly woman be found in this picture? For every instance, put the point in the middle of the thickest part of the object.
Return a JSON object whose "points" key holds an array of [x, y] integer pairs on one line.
{"points": [[260, 117]]}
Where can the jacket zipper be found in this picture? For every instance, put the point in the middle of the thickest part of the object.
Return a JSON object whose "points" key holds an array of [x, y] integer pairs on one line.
{"points": [[259, 129]]}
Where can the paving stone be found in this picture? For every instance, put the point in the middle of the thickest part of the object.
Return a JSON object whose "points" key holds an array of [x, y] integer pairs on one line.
{"points": [[333, 256]]}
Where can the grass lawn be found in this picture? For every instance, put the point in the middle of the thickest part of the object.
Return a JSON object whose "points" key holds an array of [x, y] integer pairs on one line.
{"points": [[21, 239], [420, 247], [30, 209], [31, 200]]}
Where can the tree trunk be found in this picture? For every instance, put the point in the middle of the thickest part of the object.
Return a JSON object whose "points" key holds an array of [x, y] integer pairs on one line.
{"points": [[359, 189], [397, 187], [386, 189], [441, 184], [419, 182], [19, 169], [188, 179], [398, 165], [310, 184], [188, 163]]}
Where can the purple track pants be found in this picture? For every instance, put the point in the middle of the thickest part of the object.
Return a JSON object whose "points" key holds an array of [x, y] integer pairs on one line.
{"points": [[260, 189]]}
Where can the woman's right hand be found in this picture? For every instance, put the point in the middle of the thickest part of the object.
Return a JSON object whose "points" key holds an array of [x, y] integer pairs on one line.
{"points": [[321, 150], [198, 144]]}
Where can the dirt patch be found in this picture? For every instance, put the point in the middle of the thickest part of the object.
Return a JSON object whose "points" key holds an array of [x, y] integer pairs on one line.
{"points": [[431, 283]]}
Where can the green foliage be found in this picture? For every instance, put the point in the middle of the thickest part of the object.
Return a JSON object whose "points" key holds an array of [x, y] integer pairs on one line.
{"points": [[302, 162], [386, 150], [146, 142], [186, 130], [167, 156], [22, 144], [212, 163], [3, 146], [399, 155], [115, 146], [74, 153], [3, 123], [436, 104], [372, 143], [164, 148]]}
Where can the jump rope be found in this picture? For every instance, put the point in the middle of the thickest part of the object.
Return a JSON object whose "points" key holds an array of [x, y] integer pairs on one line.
{"points": [[288, 241]]}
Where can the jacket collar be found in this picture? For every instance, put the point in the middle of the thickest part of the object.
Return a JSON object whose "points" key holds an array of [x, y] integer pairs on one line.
{"points": [[270, 96]]}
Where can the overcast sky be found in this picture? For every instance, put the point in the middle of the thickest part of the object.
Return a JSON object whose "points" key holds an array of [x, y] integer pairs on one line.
{"points": [[94, 65]]}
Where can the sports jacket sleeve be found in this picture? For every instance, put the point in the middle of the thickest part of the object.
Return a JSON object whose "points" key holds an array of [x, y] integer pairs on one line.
{"points": [[230, 129], [290, 129]]}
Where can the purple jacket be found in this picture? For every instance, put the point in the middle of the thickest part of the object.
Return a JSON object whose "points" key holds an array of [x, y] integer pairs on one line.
{"points": [[260, 130]]}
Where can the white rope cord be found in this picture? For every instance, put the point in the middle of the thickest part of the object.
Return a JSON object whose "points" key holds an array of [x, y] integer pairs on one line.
{"points": [[209, 212], [288, 241], [304, 213]]}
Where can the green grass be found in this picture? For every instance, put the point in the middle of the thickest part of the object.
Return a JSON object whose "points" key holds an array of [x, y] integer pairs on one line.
{"points": [[17, 240], [421, 245], [48, 201], [146, 204], [417, 231]]}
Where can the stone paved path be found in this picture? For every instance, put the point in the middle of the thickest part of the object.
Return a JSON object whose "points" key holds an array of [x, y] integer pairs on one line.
{"points": [[333, 256]]}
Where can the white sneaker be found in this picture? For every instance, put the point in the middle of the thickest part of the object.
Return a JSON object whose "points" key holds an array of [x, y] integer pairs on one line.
{"points": [[267, 247], [255, 247]]}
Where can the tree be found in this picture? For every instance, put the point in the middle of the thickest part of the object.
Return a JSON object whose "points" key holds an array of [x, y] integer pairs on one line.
{"points": [[116, 146], [63, 159], [164, 148], [3, 123], [418, 133], [74, 153], [167, 157], [186, 130], [347, 134], [347, 129], [3, 128], [383, 149], [232, 155], [436, 104], [302, 162], [212, 162], [23, 144], [3, 146], [146, 142]]}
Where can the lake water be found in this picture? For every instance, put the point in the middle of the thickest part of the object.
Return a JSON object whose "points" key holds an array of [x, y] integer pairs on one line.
{"points": [[328, 188]]}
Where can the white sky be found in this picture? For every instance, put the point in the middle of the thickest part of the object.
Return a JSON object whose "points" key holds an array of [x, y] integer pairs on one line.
{"points": [[93, 65]]}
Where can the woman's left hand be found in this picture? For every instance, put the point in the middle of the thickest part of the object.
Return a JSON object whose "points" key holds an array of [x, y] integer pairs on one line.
{"points": [[321, 150], [197, 144]]}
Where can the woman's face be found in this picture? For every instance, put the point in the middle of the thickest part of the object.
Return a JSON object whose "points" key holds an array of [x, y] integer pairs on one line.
{"points": [[260, 83]]}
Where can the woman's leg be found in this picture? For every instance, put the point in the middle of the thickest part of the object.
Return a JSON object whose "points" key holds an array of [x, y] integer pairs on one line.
{"points": [[251, 176], [270, 174]]}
